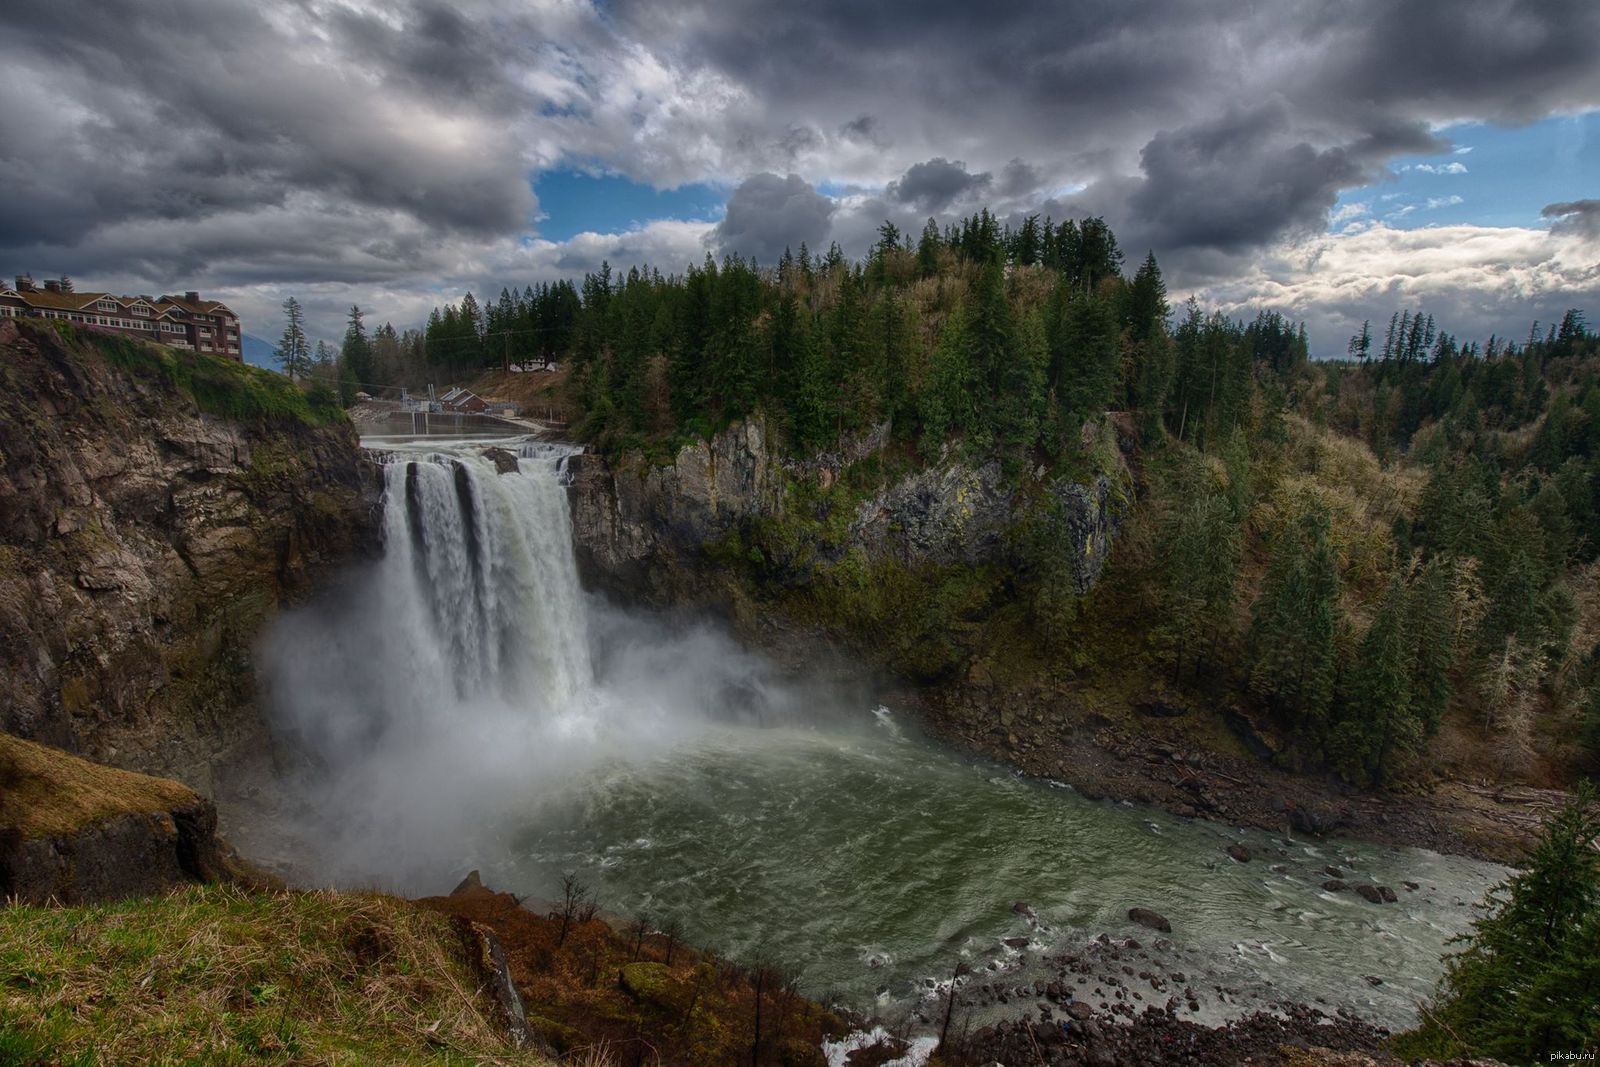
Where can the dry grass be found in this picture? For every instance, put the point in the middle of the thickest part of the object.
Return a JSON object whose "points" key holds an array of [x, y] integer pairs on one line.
{"points": [[542, 394], [604, 998], [218, 975], [44, 791], [1361, 496]]}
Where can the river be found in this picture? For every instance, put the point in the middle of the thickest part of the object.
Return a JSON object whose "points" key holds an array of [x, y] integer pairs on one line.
{"points": [[466, 704]]}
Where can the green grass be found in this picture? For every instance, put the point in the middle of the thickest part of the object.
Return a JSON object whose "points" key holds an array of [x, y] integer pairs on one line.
{"points": [[217, 385], [220, 975]]}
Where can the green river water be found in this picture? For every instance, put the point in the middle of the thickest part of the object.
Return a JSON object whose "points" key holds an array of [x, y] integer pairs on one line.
{"points": [[874, 861]]}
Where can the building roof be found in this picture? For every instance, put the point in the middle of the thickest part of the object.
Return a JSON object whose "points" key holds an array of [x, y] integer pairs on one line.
{"points": [[44, 298], [82, 301], [203, 307]]}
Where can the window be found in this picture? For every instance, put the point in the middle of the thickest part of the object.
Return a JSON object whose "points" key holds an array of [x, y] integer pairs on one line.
{"points": [[141, 309], [106, 305]]}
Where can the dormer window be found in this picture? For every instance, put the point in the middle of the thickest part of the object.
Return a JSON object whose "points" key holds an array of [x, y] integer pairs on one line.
{"points": [[106, 305]]}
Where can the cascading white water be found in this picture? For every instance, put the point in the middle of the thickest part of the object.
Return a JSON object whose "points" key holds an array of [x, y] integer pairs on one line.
{"points": [[483, 590], [453, 678]]}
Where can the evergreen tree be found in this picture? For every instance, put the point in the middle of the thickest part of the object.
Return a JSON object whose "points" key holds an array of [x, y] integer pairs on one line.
{"points": [[294, 350], [947, 405], [1086, 359], [355, 356], [1147, 302], [1377, 723], [1528, 980], [1203, 547], [1294, 625], [1432, 621], [928, 250]]}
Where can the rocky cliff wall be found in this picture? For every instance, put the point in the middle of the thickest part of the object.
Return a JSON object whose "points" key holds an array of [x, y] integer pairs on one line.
{"points": [[728, 523], [155, 510]]}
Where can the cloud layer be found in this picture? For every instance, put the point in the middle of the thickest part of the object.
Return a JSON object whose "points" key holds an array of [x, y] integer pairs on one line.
{"points": [[355, 150]]}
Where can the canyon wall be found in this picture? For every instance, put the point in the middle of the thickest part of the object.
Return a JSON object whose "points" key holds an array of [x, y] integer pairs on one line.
{"points": [[156, 509]]}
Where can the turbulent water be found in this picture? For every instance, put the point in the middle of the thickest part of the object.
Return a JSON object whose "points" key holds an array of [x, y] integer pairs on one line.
{"points": [[465, 704]]}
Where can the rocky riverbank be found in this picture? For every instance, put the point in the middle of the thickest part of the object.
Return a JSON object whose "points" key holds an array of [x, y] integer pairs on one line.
{"points": [[1058, 734]]}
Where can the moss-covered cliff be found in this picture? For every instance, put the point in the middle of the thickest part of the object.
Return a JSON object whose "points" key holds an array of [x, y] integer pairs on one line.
{"points": [[156, 508], [920, 567]]}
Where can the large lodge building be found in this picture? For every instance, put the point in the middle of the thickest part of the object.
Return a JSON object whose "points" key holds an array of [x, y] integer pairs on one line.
{"points": [[185, 322]]}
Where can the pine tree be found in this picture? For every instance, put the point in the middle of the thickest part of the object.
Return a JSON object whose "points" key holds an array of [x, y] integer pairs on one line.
{"points": [[1086, 359], [928, 250], [1019, 405], [1294, 625], [1147, 302], [294, 351], [1203, 553], [355, 356], [946, 406], [1360, 346], [1432, 621], [1528, 980], [1377, 723]]}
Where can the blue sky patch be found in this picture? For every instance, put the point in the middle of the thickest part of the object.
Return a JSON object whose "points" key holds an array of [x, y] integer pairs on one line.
{"points": [[573, 202], [1492, 176]]}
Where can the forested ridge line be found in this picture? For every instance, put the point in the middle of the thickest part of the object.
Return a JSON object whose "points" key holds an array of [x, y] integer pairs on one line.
{"points": [[1389, 555]]}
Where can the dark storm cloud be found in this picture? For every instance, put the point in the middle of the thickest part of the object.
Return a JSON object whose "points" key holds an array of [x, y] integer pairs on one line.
{"points": [[311, 141], [936, 184], [767, 214], [1123, 99], [1239, 181], [1581, 218], [1019, 178], [171, 111]]}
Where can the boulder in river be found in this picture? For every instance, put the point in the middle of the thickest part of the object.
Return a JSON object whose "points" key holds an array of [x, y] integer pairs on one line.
{"points": [[504, 461], [1370, 892], [1153, 919], [1333, 872], [1333, 885], [1238, 852]]}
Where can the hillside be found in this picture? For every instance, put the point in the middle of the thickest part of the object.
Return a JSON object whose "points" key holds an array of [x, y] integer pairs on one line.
{"points": [[1376, 575]]}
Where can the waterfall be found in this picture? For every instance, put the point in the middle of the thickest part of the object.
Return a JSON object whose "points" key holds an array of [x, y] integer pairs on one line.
{"points": [[484, 595], [433, 699]]}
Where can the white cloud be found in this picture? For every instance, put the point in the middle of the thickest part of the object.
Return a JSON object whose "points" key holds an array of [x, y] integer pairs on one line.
{"points": [[1349, 212], [1436, 202], [1437, 168], [1474, 279]]}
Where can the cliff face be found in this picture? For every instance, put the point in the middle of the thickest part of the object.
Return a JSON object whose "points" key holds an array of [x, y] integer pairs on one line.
{"points": [[729, 524], [155, 509]]}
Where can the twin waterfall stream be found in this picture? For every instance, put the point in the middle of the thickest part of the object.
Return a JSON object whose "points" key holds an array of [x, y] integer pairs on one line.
{"points": [[464, 703]]}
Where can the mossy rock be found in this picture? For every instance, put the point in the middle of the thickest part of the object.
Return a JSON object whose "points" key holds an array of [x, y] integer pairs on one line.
{"points": [[558, 1036], [655, 984]]}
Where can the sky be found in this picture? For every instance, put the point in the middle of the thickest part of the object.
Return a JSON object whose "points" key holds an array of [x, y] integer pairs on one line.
{"points": [[1334, 160]]}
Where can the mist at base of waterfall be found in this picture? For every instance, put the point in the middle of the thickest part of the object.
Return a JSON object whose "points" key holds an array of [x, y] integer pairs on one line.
{"points": [[437, 694], [463, 704]]}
